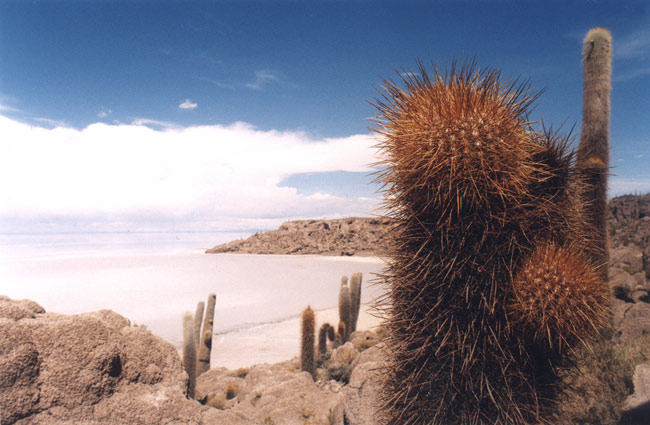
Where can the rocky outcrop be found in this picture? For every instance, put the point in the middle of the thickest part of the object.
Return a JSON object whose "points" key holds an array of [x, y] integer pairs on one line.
{"points": [[92, 368], [347, 236]]}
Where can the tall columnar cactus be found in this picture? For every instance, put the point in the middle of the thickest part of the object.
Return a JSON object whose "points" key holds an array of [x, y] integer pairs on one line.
{"points": [[189, 352], [593, 150], [478, 197], [345, 304], [205, 349], [198, 318], [307, 359], [355, 298]]}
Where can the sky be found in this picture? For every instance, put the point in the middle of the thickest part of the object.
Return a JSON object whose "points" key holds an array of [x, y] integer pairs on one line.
{"points": [[237, 115]]}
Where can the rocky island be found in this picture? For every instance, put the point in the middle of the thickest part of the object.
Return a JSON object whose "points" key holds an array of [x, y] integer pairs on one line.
{"points": [[343, 236]]}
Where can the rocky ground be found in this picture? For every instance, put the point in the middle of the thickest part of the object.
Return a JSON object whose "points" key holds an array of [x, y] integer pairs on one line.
{"points": [[97, 368]]}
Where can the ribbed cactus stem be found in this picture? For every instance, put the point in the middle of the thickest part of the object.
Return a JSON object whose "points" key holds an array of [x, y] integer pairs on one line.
{"points": [[355, 298], [345, 304], [189, 352], [322, 338], [307, 359], [198, 318], [593, 150], [205, 350]]}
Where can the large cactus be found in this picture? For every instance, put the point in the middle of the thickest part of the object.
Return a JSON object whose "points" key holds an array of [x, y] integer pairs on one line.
{"points": [[483, 206]]}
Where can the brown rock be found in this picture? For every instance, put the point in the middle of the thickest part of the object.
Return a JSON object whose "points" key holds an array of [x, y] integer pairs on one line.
{"points": [[362, 394], [92, 368], [631, 320], [637, 406]]}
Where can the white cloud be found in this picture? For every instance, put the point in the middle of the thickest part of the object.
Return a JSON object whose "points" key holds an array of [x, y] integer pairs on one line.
{"points": [[104, 113], [186, 104], [202, 176], [263, 78]]}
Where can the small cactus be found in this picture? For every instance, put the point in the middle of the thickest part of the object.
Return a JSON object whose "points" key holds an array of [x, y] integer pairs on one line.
{"points": [[345, 304], [198, 318], [307, 359], [342, 334], [355, 298], [203, 364], [189, 352], [322, 338]]}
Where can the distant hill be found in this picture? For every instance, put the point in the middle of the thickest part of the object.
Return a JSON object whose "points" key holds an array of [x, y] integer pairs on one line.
{"points": [[629, 223]]}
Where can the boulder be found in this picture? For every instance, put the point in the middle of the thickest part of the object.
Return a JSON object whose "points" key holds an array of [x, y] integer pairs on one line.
{"points": [[363, 393], [92, 368], [637, 406], [631, 320]]}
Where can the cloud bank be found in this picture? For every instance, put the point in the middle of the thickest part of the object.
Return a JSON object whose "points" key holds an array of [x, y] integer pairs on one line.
{"points": [[132, 176]]}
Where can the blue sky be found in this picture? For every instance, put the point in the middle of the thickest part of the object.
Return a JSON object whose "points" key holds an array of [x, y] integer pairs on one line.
{"points": [[288, 82]]}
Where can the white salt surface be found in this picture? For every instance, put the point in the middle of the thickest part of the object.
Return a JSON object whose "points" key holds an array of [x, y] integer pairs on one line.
{"points": [[153, 279], [274, 342]]}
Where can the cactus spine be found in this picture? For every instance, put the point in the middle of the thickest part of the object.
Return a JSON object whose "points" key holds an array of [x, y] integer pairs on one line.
{"points": [[345, 305], [355, 298], [476, 195], [307, 359], [198, 318], [189, 352], [203, 364], [593, 150]]}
